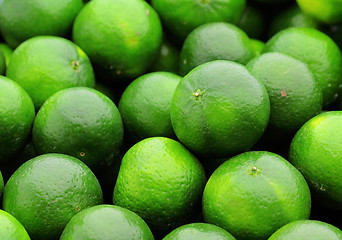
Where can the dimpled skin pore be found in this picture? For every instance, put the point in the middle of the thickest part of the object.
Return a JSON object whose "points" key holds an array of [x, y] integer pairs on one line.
{"points": [[161, 181], [47, 191]]}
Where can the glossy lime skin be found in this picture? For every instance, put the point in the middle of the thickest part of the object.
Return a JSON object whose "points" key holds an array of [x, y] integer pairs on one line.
{"points": [[125, 43], [23, 19], [215, 41], [47, 191], [168, 60], [80, 122], [295, 96], [145, 105], [180, 17], [106, 222], [252, 21], [317, 50], [17, 111], [253, 205], [199, 231], [257, 45], [292, 17], [327, 11], [315, 152], [11, 228], [307, 230], [172, 176], [45, 65], [219, 109]]}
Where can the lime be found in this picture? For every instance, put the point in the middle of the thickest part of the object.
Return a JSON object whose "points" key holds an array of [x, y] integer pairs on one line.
{"points": [[44, 65], [161, 181], [168, 58], [295, 96], [315, 152], [11, 228], [145, 105], [80, 122], [253, 194], [252, 21], [180, 17], [257, 45], [307, 230], [47, 191], [122, 36], [23, 19], [291, 17], [199, 231], [315, 49], [7, 51], [327, 11], [106, 222], [17, 115], [215, 41], [219, 109]]}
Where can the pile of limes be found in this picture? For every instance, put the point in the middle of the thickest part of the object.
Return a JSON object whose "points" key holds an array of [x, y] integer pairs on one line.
{"points": [[171, 119]]}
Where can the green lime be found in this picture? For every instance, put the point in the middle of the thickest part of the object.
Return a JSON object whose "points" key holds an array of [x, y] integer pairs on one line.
{"points": [[257, 45], [45, 65], [315, 152], [145, 105], [199, 231], [255, 193], [295, 96], [23, 19], [180, 17], [161, 181], [327, 11], [317, 50], [307, 230], [80, 122], [7, 51], [291, 17], [215, 41], [106, 222], [47, 191], [219, 109], [122, 36], [17, 115], [168, 58], [11, 228], [252, 21]]}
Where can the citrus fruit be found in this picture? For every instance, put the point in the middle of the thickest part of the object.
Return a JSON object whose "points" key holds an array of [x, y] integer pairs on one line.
{"points": [[17, 115], [327, 11], [199, 231], [161, 181], [80, 122], [122, 36], [253, 194], [168, 58], [11, 228], [106, 222], [252, 21], [145, 105], [180, 17], [219, 109], [215, 41], [23, 19], [7, 51], [307, 230], [291, 17], [2, 63], [295, 96], [257, 45], [315, 49], [46, 64], [316, 152], [47, 191]]}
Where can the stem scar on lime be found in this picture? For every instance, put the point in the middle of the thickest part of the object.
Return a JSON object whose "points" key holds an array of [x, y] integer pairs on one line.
{"points": [[82, 154], [75, 65], [254, 171], [78, 208], [283, 93], [197, 94]]}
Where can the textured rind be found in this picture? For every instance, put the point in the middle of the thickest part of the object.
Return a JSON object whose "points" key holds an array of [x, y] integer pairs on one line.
{"points": [[11, 228]]}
